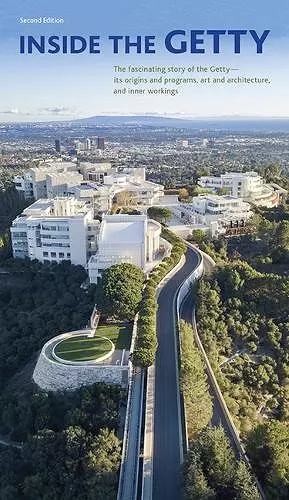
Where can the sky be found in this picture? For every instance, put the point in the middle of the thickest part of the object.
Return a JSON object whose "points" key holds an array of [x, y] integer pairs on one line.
{"points": [[40, 87]]}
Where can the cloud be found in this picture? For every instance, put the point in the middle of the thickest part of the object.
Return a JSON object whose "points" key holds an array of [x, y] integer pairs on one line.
{"points": [[58, 110], [12, 111], [49, 113]]}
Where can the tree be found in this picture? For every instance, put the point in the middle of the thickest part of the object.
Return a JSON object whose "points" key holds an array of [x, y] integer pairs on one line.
{"points": [[267, 447], [107, 451], [199, 236], [36, 302], [183, 194], [212, 472], [70, 446], [146, 342], [83, 464], [119, 292], [160, 214], [223, 191], [5, 245], [234, 282], [196, 190], [280, 255], [261, 227], [217, 459], [125, 199], [11, 204], [282, 233], [195, 484], [193, 383], [244, 485], [272, 171]]}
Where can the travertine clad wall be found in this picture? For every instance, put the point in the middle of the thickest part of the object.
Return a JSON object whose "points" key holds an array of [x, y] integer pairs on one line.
{"points": [[53, 376]]}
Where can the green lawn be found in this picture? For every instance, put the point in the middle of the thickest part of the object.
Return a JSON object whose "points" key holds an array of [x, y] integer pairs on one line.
{"points": [[120, 335], [82, 348]]}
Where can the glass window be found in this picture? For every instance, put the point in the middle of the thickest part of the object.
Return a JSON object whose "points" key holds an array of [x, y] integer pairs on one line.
{"points": [[49, 228]]}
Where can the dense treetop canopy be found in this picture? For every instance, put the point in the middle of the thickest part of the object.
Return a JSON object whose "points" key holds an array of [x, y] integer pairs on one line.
{"points": [[120, 291]]}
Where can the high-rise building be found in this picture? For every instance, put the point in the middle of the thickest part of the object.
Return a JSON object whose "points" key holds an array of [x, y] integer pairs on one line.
{"points": [[57, 146], [100, 143]]}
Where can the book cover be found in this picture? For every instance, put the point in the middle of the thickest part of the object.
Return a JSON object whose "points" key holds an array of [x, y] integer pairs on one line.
{"points": [[144, 250]]}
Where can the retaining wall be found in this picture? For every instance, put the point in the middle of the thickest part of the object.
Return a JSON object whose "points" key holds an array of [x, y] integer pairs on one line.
{"points": [[134, 403], [185, 287], [52, 375]]}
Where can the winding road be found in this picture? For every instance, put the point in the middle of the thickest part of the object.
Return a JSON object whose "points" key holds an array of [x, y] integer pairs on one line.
{"points": [[167, 456], [167, 436]]}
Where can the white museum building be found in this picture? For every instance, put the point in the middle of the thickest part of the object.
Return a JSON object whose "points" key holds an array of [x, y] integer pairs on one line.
{"points": [[96, 184], [134, 239], [54, 230], [213, 213], [247, 185]]}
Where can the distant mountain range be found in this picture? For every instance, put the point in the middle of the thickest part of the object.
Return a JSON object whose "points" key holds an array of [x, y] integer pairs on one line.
{"points": [[238, 123], [151, 120]]}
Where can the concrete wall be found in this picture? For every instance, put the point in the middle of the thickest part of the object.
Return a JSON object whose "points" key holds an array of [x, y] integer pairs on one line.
{"points": [[182, 293], [185, 287], [52, 376], [78, 239]]}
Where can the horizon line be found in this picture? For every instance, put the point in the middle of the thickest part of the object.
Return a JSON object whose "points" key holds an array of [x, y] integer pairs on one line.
{"points": [[172, 116]]}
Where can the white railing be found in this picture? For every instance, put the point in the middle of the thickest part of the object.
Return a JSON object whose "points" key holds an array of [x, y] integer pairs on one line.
{"points": [[134, 399]]}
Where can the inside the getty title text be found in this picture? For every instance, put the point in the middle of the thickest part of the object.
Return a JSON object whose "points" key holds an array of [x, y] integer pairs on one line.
{"points": [[175, 42]]}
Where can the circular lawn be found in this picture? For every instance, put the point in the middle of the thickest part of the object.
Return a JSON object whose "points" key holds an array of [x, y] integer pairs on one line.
{"points": [[83, 348]]}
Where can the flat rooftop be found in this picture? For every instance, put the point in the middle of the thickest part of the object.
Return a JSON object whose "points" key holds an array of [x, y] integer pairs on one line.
{"points": [[216, 197], [119, 230], [241, 174], [39, 205]]}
